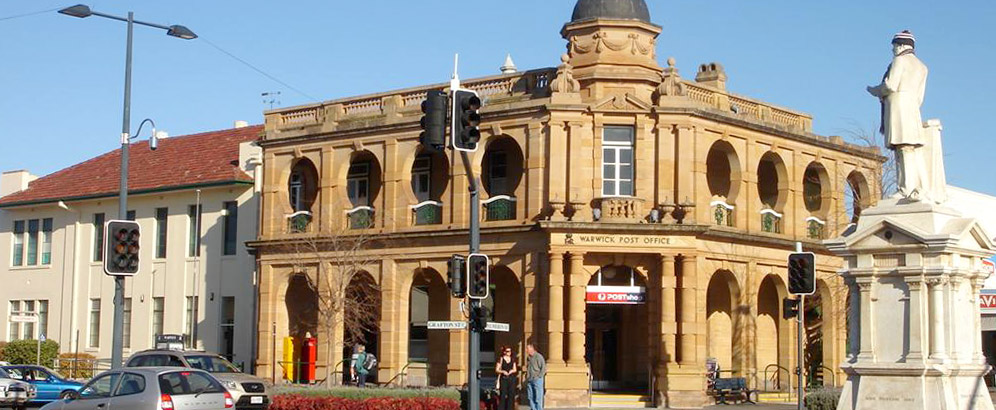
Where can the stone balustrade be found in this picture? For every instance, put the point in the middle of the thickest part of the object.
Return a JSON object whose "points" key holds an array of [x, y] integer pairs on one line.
{"points": [[621, 209]]}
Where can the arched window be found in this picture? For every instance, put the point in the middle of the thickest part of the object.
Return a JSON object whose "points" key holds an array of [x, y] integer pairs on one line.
{"points": [[723, 178], [302, 187]]}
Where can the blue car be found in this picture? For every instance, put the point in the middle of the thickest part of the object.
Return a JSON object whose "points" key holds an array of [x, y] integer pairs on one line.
{"points": [[51, 386]]}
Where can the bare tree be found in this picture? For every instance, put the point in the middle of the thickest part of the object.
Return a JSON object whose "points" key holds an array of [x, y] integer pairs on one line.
{"points": [[336, 265]]}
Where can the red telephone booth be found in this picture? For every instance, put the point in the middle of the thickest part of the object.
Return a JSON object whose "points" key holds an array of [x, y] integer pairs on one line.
{"points": [[311, 357]]}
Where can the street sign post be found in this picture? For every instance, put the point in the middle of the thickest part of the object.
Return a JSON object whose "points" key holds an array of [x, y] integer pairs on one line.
{"points": [[497, 327], [447, 325]]}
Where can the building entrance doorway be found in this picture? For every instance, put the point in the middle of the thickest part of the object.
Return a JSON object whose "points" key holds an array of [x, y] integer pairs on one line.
{"points": [[616, 338]]}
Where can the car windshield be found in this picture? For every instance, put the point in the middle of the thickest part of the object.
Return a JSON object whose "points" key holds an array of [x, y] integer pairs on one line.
{"points": [[211, 364], [4, 374]]}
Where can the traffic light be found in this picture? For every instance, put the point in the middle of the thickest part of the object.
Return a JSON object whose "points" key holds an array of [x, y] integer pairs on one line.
{"points": [[480, 318], [458, 287], [433, 121], [478, 275], [790, 308], [802, 273], [121, 246], [466, 119]]}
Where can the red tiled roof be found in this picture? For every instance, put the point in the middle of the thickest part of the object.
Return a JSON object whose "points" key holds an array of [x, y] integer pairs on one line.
{"points": [[183, 161]]}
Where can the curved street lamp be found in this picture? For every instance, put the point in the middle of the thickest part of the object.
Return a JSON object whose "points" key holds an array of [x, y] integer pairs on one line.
{"points": [[82, 11]]}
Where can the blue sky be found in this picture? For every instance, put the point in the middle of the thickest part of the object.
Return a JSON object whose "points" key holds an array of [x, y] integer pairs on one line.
{"points": [[62, 77]]}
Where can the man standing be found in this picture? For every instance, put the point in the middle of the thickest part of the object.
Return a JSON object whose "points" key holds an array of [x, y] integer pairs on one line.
{"points": [[901, 94], [360, 366], [535, 372]]}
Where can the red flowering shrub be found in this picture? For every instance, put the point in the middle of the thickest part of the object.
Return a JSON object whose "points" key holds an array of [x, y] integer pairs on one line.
{"points": [[295, 402]]}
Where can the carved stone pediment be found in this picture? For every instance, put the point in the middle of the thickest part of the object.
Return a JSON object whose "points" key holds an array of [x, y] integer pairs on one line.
{"points": [[621, 102]]}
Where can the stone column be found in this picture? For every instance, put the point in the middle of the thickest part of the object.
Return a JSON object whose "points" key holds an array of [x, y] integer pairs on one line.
{"points": [[854, 321], [977, 356], [577, 319], [866, 352], [938, 350], [689, 268], [555, 316], [916, 319], [669, 328]]}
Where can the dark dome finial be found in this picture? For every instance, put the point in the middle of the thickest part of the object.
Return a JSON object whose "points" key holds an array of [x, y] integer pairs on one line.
{"points": [[611, 9]]}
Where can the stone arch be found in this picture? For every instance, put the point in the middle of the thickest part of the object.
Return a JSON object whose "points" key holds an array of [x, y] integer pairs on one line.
{"points": [[502, 153], [857, 196], [303, 185], [439, 174], [723, 320], [772, 181], [772, 344], [428, 300], [613, 331], [361, 318], [507, 305], [301, 302], [819, 335], [816, 189], [357, 161], [723, 171]]}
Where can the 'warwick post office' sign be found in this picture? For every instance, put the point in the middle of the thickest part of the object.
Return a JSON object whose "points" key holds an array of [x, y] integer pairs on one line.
{"points": [[617, 240]]}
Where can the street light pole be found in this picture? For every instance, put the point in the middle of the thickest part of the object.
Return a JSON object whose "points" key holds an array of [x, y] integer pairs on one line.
{"points": [[117, 341], [80, 10]]}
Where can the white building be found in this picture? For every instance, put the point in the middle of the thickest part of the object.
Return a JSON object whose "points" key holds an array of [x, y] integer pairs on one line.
{"points": [[199, 285]]}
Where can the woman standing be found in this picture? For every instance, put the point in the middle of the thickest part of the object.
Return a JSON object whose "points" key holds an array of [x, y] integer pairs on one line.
{"points": [[506, 368]]}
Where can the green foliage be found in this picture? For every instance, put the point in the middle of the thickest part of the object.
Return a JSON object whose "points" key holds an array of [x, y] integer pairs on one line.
{"points": [[25, 352], [2, 346], [823, 399], [76, 365], [366, 393]]}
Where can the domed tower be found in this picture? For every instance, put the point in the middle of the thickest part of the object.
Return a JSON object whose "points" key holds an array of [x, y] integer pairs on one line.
{"points": [[612, 48]]}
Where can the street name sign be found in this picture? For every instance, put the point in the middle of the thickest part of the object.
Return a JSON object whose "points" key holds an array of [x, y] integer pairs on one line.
{"points": [[497, 327], [23, 318], [452, 324]]}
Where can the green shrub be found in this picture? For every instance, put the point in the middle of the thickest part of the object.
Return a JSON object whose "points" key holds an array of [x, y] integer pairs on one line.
{"points": [[2, 346], [824, 398], [26, 351], [366, 393], [80, 368]]}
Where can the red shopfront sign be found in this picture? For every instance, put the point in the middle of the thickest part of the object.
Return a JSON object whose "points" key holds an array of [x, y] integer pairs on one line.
{"points": [[616, 295], [987, 301]]}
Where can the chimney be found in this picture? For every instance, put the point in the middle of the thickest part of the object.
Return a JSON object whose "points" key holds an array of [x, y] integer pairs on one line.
{"points": [[241, 124], [713, 75], [15, 181]]}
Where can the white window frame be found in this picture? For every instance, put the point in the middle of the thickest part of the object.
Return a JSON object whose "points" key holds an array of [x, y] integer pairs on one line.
{"points": [[422, 177], [617, 147], [18, 239], [358, 172]]}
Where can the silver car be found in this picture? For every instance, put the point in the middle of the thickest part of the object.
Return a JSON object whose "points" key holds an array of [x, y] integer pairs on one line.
{"points": [[248, 391], [15, 393], [149, 388]]}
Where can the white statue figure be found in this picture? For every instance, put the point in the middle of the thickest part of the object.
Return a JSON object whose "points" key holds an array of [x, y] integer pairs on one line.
{"points": [[917, 146]]}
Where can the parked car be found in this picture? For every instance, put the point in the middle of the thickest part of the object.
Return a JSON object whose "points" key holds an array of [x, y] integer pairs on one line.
{"points": [[49, 384], [248, 391], [149, 388], [14, 393]]}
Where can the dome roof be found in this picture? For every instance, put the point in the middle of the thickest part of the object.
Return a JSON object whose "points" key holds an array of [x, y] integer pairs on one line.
{"points": [[611, 9]]}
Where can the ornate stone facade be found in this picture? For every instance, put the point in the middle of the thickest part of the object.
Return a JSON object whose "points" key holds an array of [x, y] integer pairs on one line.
{"points": [[607, 168]]}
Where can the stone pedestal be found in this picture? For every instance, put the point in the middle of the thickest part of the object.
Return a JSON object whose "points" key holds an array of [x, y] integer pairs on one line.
{"points": [[914, 271]]}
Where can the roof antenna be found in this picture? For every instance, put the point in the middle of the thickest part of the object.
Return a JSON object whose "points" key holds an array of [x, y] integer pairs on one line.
{"points": [[270, 97]]}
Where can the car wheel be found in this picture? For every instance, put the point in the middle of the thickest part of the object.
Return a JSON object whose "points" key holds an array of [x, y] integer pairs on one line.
{"points": [[65, 395]]}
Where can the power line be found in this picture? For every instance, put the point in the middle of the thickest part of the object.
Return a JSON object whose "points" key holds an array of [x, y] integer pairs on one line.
{"points": [[258, 70], [28, 14]]}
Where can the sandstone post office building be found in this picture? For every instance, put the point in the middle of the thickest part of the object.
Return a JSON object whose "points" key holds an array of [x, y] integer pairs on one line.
{"points": [[610, 178]]}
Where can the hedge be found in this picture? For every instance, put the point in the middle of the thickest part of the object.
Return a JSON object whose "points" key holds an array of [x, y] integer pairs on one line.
{"points": [[298, 402], [367, 393], [822, 399], [26, 351]]}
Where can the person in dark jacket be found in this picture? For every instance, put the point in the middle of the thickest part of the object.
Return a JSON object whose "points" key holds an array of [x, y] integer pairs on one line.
{"points": [[507, 371]]}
